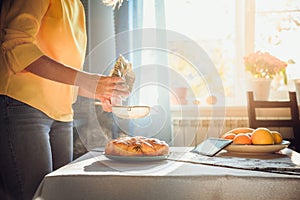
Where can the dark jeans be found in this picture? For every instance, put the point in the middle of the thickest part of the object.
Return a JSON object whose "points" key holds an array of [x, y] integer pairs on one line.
{"points": [[31, 146]]}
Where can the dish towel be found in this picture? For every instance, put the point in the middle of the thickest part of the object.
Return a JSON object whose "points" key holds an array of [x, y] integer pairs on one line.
{"points": [[275, 163]]}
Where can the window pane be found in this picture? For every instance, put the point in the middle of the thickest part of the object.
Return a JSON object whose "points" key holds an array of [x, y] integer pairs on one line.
{"points": [[211, 24], [277, 30]]}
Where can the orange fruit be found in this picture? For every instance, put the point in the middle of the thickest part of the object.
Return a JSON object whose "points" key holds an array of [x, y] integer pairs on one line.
{"points": [[262, 136], [211, 100], [277, 137], [228, 136], [242, 138], [241, 130]]}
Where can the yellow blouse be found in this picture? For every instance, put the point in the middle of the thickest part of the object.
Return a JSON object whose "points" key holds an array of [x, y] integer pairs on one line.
{"points": [[30, 29]]}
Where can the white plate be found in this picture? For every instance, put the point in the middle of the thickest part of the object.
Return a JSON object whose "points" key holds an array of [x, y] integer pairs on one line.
{"points": [[136, 158], [131, 112], [257, 149]]}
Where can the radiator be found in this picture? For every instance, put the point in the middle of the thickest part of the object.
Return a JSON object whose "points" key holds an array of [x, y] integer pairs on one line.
{"points": [[189, 132]]}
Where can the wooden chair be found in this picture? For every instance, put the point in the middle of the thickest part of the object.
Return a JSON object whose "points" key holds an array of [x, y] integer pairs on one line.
{"points": [[293, 121]]}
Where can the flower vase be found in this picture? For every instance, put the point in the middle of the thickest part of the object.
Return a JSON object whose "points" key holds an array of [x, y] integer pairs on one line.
{"points": [[179, 97], [261, 88]]}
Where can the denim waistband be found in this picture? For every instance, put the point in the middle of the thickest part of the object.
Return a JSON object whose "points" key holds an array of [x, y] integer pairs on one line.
{"points": [[6, 100]]}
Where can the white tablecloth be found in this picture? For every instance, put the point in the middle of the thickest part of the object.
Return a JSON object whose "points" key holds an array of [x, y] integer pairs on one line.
{"points": [[182, 176]]}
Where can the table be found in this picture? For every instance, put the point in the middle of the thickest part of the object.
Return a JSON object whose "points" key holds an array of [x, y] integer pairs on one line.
{"points": [[184, 175]]}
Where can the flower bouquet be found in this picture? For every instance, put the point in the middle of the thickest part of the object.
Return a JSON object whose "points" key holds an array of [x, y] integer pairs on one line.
{"points": [[264, 65]]}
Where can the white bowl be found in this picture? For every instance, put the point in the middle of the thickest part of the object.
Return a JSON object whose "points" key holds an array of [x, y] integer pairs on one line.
{"points": [[257, 149]]}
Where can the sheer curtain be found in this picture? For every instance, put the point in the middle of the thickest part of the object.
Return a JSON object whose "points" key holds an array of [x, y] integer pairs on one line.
{"points": [[138, 44], [92, 126], [120, 31]]}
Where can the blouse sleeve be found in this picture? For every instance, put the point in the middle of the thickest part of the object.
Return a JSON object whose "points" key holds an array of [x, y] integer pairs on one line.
{"points": [[20, 27]]}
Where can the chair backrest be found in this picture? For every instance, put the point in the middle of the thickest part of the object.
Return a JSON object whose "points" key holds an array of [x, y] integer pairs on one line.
{"points": [[293, 121]]}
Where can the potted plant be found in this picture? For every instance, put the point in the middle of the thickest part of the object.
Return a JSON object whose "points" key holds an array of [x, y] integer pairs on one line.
{"points": [[264, 67]]}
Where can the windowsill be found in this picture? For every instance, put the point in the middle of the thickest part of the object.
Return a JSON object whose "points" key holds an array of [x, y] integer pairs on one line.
{"points": [[209, 111], [233, 108], [195, 112]]}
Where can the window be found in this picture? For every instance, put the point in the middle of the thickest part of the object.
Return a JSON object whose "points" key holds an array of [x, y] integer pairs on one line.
{"points": [[277, 30], [227, 30]]}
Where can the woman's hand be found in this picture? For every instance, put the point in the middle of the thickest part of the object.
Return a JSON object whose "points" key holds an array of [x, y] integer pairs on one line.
{"points": [[108, 88]]}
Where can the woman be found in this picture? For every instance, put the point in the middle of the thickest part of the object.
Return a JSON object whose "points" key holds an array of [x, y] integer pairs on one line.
{"points": [[43, 45]]}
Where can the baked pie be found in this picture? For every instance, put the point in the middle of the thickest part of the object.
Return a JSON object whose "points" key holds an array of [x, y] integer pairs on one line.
{"points": [[137, 146]]}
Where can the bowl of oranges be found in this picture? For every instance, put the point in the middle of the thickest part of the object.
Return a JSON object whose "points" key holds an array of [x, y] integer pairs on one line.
{"points": [[259, 140]]}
